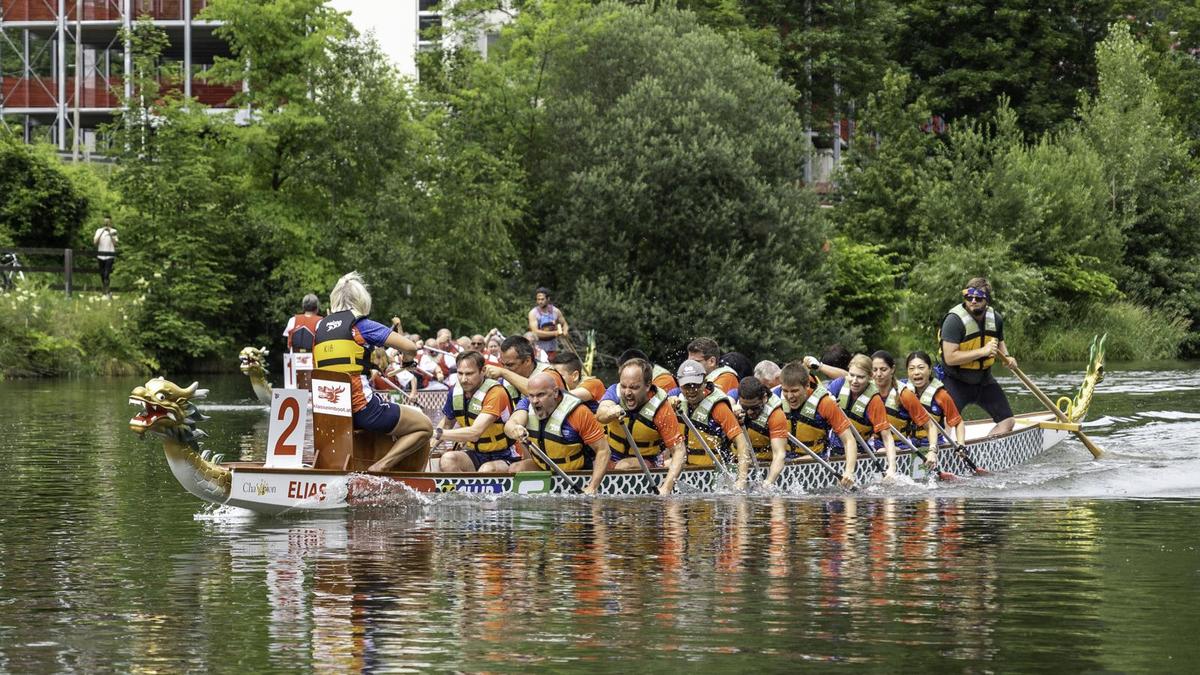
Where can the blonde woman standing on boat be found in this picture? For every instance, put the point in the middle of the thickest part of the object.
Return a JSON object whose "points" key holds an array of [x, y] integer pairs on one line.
{"points": [[342, 344]]}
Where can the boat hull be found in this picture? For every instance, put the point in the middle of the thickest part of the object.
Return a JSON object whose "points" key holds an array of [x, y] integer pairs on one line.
{"points": [[278, 491]]}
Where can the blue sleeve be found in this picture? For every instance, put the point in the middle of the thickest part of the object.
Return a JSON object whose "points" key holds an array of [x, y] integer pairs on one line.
{"points": [[610, 394], [375, 333], [835, 387], [523, 404], [448, 409], [733, 395], [675, 391], [778, 390]]}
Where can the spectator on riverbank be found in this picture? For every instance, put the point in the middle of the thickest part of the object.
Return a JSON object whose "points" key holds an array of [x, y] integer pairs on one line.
{"points": [[105, 241]]}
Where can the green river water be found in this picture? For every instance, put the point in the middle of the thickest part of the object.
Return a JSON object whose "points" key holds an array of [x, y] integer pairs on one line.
{"points": [[1064, 564]]}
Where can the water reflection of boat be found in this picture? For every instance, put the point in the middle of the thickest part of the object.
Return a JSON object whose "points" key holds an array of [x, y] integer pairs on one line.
{"points": [[168, 410]]}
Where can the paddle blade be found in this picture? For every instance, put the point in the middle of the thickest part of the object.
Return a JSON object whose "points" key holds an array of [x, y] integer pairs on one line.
{"points": [[946, 476]]}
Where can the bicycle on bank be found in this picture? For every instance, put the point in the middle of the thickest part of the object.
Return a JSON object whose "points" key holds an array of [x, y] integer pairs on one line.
{"points": [[10, 271]]}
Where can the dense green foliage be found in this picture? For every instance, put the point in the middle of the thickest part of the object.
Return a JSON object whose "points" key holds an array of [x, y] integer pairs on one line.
{"points": [[1099, 212], [44, 333], [646, 161]]}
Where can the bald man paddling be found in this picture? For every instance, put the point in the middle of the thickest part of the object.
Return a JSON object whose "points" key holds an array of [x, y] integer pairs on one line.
{"points": [[563, 427]]}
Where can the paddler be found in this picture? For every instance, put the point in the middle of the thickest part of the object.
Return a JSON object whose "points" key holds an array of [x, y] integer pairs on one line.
{"points": [[517, 366], [934, 397], [858, 399], [341, 345], [971, 337], [812, 415], [587, 389], [765, 424], [479, 407], [904, 410], [662, 378], [637, 402], [707, 352], [563, 427], [710, 410]]}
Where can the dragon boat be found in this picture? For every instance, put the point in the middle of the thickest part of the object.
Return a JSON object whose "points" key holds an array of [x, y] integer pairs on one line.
{"points": [[336, 478]]}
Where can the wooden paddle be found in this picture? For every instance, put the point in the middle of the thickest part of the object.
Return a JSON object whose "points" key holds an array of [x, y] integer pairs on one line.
{"points": [[820, 460], [712, 456], [637, 452], [942, 475], [960, 449], [545, 459], [1033, 389]]}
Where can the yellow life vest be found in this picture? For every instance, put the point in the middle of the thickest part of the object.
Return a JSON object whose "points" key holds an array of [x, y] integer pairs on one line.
{"points": [[856, 410], [551, 437], [466, 410], [714, 435], [641, 425], [931, 405], [896, 412], [335, 347], [758, 429], [806, 424], [974, 337]]}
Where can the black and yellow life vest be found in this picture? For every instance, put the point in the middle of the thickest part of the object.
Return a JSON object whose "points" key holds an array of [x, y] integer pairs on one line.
{"points": [[641, 425], [703, 420], [931, 405], [550, 437], [335, 347], [758, 429], [466, 410], [806, 424], [974, 337], [856, 410]]}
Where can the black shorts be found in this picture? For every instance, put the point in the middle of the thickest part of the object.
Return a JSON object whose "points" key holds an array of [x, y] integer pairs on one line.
{"points": [[987, 395]]}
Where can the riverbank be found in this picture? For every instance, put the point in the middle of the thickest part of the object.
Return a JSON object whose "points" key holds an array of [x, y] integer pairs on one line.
{"points": [[46, 334]]}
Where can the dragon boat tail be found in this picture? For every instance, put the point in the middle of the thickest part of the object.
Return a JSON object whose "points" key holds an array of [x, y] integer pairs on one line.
{"points": [[336, 479]]}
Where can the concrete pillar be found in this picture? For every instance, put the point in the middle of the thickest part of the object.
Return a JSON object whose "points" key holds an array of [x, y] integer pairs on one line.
{"points": [[60, 74], [187, 48]]}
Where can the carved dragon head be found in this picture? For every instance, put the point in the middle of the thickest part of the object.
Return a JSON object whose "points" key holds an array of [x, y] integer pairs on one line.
{"points": [[167, 409], [253, 360]]}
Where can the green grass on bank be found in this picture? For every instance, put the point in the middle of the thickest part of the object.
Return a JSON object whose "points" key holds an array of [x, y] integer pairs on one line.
{"points": [[44, 334]]}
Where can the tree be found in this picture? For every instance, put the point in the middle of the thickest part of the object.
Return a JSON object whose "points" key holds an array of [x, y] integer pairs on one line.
{"points": [[663, 163], [40, 206], [965, 56]]}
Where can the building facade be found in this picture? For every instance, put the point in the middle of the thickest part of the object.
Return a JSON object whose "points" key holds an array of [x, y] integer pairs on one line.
{"points": [[63, 62]]}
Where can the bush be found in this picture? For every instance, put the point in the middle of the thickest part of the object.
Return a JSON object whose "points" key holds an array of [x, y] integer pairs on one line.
{"points": [[43, 333], [1135, 333]]}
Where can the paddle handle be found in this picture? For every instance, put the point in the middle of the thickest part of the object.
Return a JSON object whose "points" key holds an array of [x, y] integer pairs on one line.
{"points": [[1097, 453], [541, 455], [637, 452]]}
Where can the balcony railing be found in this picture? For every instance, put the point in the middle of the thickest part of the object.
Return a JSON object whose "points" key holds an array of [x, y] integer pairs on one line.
{"points": [[42, 93], [95, 10]]}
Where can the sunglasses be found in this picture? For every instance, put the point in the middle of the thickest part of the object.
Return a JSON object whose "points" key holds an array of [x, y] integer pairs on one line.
{"points": [[975, 298], [477, 344]]}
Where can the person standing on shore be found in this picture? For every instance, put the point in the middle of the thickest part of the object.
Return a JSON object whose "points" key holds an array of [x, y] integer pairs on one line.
{"points": [[105, 241]]}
